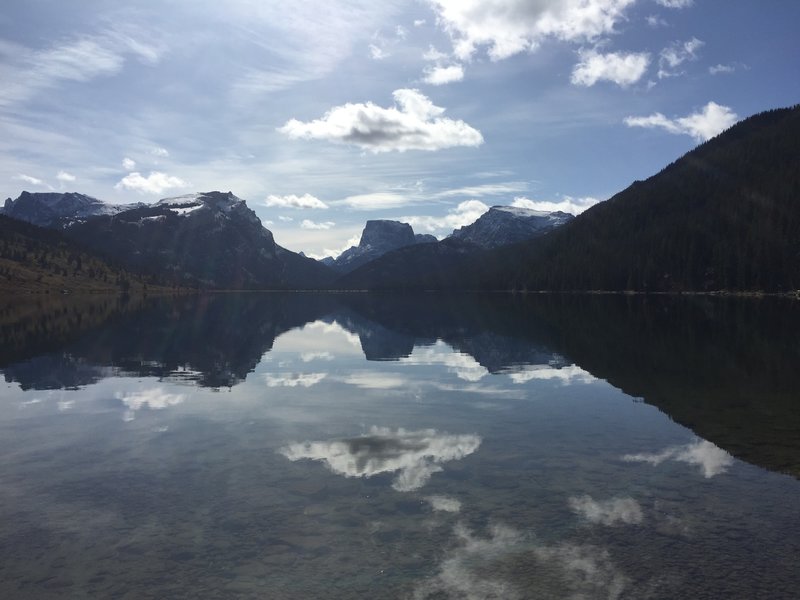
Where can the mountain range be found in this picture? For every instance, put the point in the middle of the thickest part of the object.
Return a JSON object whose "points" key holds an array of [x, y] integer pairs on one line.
{"points": [[726, 216]]}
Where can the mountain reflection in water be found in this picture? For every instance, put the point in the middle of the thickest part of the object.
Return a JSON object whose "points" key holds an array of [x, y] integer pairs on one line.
{"points": [[726, 368]]}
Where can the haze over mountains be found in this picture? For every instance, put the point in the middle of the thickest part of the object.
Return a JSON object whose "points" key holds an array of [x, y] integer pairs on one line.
{"points": [[726, 216]]}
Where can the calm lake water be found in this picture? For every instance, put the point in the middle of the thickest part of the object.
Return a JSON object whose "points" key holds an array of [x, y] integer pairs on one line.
{"points": [[359, 446]]}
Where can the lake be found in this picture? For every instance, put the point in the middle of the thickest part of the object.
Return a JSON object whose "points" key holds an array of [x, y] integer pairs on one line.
{"points": [[390, 446]]}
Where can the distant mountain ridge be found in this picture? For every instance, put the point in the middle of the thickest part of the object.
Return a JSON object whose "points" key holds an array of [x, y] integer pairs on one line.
{"points": [[503, 225], [726, 216], [53, 209]]}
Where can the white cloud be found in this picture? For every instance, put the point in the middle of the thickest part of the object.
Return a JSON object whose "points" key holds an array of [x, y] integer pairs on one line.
{"points": [[444, 503], [675, 3], [308, 224], [413, 455], [488, 189], [153, 399], [675, 55], [465, 213], [128, 164], [419, 22], [285, 219], [292, 380], [462, 365], [160, 152], [508, 27], [155, 183], [334, 252], [568, 204], [711, 459], [310, 356], [444, 75], [293, 201], [568, 375], [30, 179], [65, 177], [376, 201], [710, 121], [414, 123], [655, 21], [377, 53], [719, 68], [401, 32], [608, 512], [432, 54], [371, 380], [622, 69]]}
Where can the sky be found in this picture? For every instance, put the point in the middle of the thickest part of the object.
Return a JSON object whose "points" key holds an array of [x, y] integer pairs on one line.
{"points": [[322, 115]]}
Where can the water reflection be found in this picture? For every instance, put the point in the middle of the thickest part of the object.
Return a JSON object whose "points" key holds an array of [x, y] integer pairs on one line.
{"points": [[725, 368], [224, 446], [414, 455], [711, 459]]}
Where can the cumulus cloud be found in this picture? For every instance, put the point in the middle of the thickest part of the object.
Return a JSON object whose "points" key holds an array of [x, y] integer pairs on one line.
{"points": [[155, 183], [413, 455], [655, 21], [443, 75], [508, 27], [465, 213], [285, 219], [128, 164], [419, 22], [293, 201], [414, 123], [711, 459], [675, 55], [620, 68], [567, 204], [625, 511], [65, 177], [308, 224], [433, 55], [160, 152], [703, 125]]}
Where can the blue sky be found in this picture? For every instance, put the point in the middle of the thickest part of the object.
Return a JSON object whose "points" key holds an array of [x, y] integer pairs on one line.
{"points": [[325, 114]]}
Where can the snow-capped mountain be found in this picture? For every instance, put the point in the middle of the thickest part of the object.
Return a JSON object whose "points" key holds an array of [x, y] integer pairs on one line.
{"points": [[209, 239], [502, 225], [378, 238], [57, 210]]}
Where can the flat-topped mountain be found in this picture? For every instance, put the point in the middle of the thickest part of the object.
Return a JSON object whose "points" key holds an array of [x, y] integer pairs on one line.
{"points": [[378, 238]]}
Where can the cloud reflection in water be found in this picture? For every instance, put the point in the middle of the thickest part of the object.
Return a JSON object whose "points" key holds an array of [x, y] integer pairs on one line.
{"points": [[414, 455], [711, 459]]}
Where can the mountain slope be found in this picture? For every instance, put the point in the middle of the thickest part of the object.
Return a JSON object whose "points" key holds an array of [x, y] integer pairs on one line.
{"points": [[210, 240], [503, 225], [34, 259], [726, 216], [57, 209]]}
